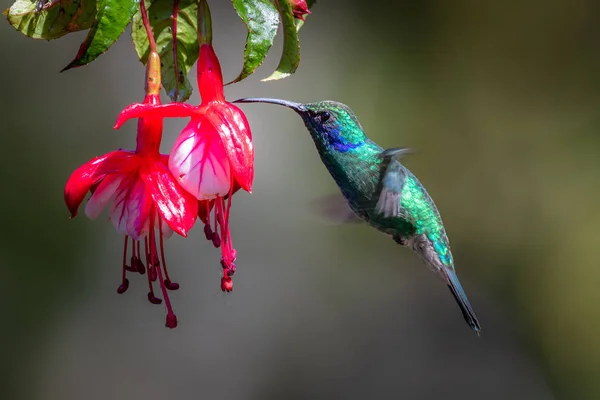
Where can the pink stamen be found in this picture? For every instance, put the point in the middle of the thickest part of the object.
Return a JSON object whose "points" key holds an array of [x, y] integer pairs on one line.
{"points": [[228, 253], [170, 285], [139, 264], [208, 232], [227, 248], [146, 250], [171, 321], [133, 265], [149, 261], [221, 222], [215, 237], [231, 249], [124, 281], [151, 297]]}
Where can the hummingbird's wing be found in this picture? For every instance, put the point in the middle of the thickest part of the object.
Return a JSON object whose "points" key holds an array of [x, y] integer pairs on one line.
{"points": [[333, 209], [392, 183]]}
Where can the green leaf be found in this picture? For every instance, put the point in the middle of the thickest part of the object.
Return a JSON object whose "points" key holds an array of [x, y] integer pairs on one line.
{"points": [[299, 22], [290, 58], [56, 19], [262, 20], [112, 18], [160, 14]]}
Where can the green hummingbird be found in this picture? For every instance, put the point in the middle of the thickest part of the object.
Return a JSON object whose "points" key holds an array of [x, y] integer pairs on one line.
{"points": [[380, 190]]}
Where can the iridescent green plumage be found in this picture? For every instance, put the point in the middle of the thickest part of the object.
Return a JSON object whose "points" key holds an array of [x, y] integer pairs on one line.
{"points": [[380, 190]]}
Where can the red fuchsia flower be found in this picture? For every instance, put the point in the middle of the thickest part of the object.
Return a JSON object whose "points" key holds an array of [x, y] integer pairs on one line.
{"points": [[213, 156], [146, 199], [299, 8]]}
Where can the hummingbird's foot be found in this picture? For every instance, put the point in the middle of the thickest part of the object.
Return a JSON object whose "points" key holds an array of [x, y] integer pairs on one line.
{"points": [[402, 241]]}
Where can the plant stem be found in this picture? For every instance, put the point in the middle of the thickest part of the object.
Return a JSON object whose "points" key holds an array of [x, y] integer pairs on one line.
{"points": [[204, 23], [175, 64], [151, 40]]}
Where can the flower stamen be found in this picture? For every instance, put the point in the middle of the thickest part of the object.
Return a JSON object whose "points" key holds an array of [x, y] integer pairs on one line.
{"points": [[133, 264], [171, 321], [170, 285], [124, 281], [216, 239], [149, 261], [151, 270], [205, 218], [139, 264], [228, 253]]}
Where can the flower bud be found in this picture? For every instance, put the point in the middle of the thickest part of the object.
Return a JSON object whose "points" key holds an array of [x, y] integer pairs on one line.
{"points": [[299, 8]]}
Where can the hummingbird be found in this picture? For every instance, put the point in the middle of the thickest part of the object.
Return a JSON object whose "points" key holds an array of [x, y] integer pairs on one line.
{"points": [[380, 190]]}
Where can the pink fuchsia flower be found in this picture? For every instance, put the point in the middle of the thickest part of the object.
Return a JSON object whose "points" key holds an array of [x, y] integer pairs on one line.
{"points": [[213, 155], [299, 8], [146, 199]]}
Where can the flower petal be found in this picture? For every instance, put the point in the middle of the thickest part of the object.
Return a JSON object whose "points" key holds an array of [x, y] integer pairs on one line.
{"points": [[130, 213], [177, 207], [198, 161], [167, 232], [232, 125], [139, 110], [80, 182], [119, 162], [104, 193]]}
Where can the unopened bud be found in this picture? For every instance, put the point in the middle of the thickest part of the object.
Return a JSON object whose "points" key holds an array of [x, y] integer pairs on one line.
{"points": [[299, 8]]}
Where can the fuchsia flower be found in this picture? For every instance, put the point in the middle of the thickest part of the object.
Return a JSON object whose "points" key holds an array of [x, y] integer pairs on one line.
{"points": [[213, 156], [146, 199]]}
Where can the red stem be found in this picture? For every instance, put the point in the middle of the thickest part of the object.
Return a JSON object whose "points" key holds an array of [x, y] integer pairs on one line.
{"points": [[151, 40], [175, 13]]}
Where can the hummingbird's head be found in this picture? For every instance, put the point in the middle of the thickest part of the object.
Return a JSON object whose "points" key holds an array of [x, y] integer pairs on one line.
{"points": [[331, 124]]}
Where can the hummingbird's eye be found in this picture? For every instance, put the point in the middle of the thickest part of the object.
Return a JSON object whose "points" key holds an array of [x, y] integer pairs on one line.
{"points": [[325, 116]]}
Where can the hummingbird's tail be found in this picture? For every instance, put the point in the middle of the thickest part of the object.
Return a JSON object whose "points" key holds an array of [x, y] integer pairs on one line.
{"points": [[462, 300]]}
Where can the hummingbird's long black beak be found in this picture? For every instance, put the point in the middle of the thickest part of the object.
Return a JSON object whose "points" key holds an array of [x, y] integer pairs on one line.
{"points": [[299, 108]]}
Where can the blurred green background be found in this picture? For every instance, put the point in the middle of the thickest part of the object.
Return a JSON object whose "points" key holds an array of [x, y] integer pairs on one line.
{"points": [[502, 102]]}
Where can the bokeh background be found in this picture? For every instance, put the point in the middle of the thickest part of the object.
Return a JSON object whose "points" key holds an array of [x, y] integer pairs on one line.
{"points": [[502, 102]]}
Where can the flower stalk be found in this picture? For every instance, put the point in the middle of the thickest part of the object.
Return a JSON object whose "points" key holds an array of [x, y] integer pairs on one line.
{"points": [[175, 60], [146, 22], [204, 23]]}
